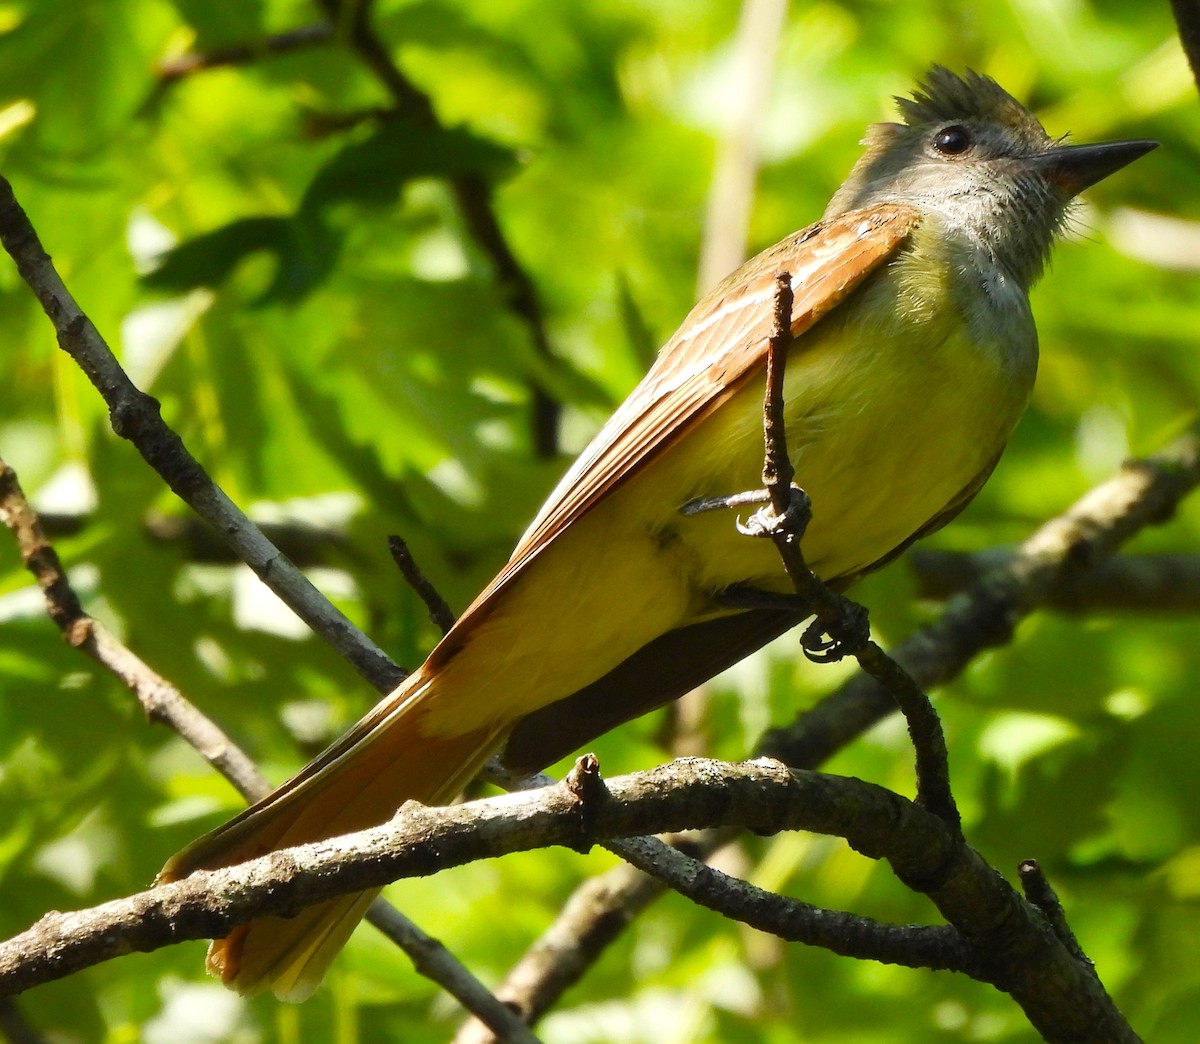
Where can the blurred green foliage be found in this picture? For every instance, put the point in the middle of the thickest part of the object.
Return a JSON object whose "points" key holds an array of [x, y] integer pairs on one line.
{"points": [[291, 276]]}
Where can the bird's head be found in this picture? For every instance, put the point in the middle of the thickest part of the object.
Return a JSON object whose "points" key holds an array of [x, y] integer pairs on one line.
{"points": [[970, 152]]}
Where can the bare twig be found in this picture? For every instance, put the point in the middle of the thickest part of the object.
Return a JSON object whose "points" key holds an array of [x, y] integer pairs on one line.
{"points": [[439, 610], [842, 620], [301, 38], [161, 701], [135, 416], [1038, 891], [595, 915], [777, 471], [938, 948], [432, 959]]}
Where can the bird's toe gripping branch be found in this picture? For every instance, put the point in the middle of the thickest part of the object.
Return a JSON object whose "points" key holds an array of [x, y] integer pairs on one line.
{"points": [[853, 632], [766, 521], [791, 522]]}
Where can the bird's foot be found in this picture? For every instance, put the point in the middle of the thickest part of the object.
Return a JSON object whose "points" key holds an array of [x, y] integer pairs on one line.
{"points": [[851, 624], [766, 521]]}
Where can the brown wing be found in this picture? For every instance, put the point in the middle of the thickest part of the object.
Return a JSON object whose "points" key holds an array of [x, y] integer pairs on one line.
{"points": [[723, 339]]}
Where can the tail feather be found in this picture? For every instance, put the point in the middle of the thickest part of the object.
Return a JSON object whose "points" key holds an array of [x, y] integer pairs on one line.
{"points": [[393, 761], [287, 956]]}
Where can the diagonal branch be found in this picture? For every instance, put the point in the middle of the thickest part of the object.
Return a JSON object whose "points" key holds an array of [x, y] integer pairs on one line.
{"points": [[165, 704], [135, 416], [301, 38], [161, 701]]}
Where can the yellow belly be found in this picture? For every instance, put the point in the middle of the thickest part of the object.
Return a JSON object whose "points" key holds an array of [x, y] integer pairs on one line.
{"points": [[887, 423]]}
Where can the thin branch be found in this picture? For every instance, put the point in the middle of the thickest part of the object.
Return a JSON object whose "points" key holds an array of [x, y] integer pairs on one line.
{"points": [[434, 961], [439, 609], [1038, 891], [352, 19], [302, 38], [939, 948], [595, 915], [161, 701], [845, 622], [1057, 992], [135, 416], [165, 704]]}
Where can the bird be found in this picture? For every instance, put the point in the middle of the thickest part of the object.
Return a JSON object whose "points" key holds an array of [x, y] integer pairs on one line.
{"points": [[913, 354]]}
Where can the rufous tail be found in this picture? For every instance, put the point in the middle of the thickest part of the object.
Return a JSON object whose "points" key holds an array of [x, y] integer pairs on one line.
{"points": [[359, 782]]}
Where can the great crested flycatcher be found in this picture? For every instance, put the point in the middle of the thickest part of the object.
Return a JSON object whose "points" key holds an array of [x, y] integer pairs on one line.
{"points": [[913, 358]]}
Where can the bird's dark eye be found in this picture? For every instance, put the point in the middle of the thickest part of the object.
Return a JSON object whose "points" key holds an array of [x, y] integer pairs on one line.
{"points": [[953, 140]]}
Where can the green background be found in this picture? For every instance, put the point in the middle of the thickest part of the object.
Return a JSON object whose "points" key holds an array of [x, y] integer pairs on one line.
{"points": [[336, 350]]}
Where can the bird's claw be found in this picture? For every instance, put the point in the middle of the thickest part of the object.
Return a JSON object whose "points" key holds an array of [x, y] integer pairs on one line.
{"points": [[792, 521], [854, 629]]}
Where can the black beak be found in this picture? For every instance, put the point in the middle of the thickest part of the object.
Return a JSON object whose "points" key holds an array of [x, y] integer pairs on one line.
{"points": [[1076, 167]]}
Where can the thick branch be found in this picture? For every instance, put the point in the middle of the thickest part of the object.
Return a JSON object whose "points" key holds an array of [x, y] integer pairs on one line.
{"points": [[422, 841], [1153, 583], [1058, 993]]}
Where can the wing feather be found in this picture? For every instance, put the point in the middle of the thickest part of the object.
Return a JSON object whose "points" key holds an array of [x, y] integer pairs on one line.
{"points": [[723, 340]]}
